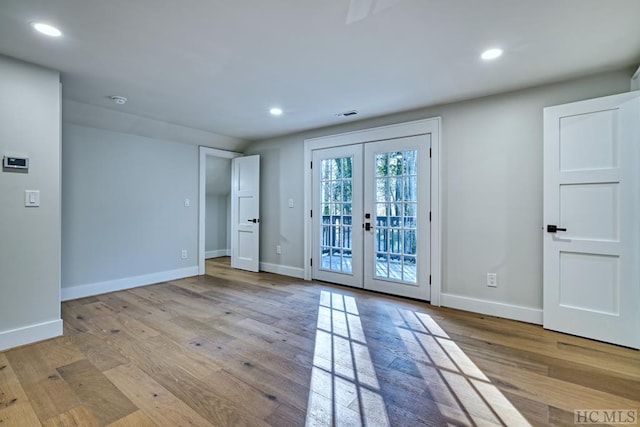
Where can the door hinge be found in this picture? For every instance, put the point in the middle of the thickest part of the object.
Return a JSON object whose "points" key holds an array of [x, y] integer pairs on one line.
{"points": [[429, 216], [311, 213], [311, 165], [311, 262], [429, 279], [429, 152]]}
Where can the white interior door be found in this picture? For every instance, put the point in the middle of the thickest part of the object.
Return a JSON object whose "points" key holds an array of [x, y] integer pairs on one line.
{"points": [[397, 205], [371, 216], [591, 207], [337, 213], [245, 212]]}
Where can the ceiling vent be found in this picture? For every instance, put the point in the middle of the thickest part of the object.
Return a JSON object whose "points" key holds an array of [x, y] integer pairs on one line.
{"points": [[347, 113]]}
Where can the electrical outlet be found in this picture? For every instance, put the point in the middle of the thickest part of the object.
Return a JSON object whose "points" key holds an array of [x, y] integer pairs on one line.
{"points": [[492, 280], [278, 249], [184, 254]]}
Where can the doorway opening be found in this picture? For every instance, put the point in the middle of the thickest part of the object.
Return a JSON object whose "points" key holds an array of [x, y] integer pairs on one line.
{"points": [[214, 230]]}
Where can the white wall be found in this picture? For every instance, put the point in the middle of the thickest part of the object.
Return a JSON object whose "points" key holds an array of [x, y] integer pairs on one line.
{"points": [[491, 187], [29, 237], [124, 221], [281, 175], [216, 225], [218, 208]]}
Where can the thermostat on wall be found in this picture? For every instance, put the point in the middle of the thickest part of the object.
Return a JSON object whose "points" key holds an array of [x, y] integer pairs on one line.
{"points": [[16, 162]]}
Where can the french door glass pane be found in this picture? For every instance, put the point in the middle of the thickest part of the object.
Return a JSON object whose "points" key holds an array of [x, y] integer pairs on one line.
{"points": [[336, 202], [395, 222]]}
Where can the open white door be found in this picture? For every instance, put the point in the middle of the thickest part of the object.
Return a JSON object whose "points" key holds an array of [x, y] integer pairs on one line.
{"points": [[245, 212], [591, 210]]}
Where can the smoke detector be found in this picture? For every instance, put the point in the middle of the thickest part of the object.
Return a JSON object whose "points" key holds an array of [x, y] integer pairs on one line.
{"points": [[120, 100]]}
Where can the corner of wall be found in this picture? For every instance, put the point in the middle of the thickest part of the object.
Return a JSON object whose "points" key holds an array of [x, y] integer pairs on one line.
{"points": [[30, 307]]}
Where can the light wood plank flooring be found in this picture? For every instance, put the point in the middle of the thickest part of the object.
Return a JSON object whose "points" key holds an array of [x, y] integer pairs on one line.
{"points": [[238, 348]]}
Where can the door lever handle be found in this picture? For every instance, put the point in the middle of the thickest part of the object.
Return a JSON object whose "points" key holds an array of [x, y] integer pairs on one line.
{"points": [[254, 220], [367, 226], [551, 228]]}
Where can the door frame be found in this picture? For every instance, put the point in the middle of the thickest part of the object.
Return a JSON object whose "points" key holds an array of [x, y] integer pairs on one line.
{"points": [[203, 153], [430, 126]]}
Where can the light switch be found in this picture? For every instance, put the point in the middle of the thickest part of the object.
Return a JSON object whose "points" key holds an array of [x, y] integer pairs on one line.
{"points": [[32, 198], [187, 202], [290, 203]]}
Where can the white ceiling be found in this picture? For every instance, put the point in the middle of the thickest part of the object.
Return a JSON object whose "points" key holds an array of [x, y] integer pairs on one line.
{"points": [[219, 65]]}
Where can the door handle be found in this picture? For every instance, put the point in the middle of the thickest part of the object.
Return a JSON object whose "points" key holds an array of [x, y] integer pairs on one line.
{"points": [[367, 226], [551, 228], [254, 220]]}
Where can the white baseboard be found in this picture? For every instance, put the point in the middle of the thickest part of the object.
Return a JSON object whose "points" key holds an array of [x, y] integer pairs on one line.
{"points": [[81, 291], [217, 253], [30, 334], [284, 270], [498, 309]]}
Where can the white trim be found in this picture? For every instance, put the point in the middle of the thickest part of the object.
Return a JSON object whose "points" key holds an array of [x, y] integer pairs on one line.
{"points": [[91, 289], [283, 270], [398, 130], [59, 225], [30, 334], [202, 195], [436, 213], [217, 253], [635, 80], [419, 127], [492, 308]]}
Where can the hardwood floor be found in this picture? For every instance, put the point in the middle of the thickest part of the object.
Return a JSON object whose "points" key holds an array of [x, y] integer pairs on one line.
{"points": [[239, 348]]}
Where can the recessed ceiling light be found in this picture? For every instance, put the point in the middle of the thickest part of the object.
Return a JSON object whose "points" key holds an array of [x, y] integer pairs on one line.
{"points": [[490, 54], [46, 29], [276, 111]]}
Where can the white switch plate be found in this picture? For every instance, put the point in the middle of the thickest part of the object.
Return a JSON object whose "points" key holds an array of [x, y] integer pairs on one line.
{"points": [[184, 254], [290, 203], [187, 202], [278, 249], [492, 280], [32, 198]]}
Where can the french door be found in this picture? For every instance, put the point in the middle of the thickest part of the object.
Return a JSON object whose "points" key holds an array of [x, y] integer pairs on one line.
{"points": [[371, 206]]}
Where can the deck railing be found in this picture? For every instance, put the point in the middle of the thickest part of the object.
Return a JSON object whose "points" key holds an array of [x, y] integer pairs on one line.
{"points": [[337, 231]]}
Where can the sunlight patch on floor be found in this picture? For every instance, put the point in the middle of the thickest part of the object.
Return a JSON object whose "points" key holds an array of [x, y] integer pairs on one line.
{"points": [[463, 393], [344, 387]]}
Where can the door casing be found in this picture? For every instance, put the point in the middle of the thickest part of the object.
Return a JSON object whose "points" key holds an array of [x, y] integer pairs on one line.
{"points": [[430, 126], [204, 152]]}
